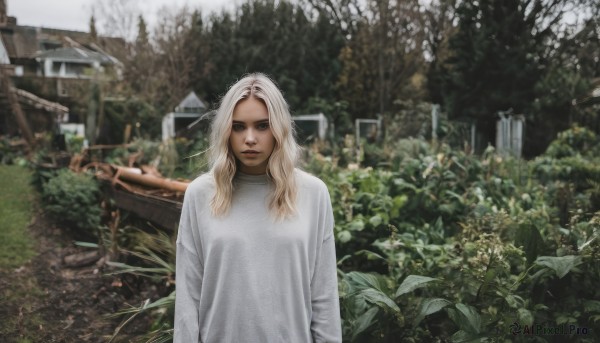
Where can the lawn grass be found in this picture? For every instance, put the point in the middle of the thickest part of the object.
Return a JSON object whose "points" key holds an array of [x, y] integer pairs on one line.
{"points": [[16, 210], [20, 294]]}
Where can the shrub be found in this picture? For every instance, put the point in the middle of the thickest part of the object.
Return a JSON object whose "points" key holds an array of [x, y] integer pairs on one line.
{"points": [[73, 199], [576, 140]]}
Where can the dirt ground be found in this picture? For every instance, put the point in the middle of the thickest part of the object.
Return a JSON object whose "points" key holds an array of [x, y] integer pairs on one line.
{"points": [[45, 301]]}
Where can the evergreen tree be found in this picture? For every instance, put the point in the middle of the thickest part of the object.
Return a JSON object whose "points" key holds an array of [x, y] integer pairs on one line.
{"points": [[570, 75], [93, 31], [494, 64], [299, 52], [140, 63], [439, 17], [142, 40], [196, 46], [221, 66], [501, 51]]}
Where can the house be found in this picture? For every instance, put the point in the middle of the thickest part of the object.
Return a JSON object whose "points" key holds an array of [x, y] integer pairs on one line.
{"points": [[55, 67], [42, 52], [72, 62], [14, 102]]}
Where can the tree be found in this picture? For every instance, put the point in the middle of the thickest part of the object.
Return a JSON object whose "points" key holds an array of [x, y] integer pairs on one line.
{"points": [[346, 14], [498, 55], [570, 74], [93, 31], [299, 51], [197, 46], [118, 17], [175, 60], [439, 17], [139, 63], [383, 58]]}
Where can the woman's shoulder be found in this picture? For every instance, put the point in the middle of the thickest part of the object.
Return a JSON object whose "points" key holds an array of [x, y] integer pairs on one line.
{"points": [[309, 181], [201, 184]]}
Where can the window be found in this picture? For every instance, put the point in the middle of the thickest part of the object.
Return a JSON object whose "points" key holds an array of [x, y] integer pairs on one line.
{"points": [[61, 90]]}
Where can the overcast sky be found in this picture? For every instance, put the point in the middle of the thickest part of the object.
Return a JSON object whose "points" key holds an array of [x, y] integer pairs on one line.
{"points": [[75, 14]]}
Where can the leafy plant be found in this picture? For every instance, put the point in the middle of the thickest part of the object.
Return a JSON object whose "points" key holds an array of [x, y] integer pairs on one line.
{"points": [[506, 240], [73, 199], [154, 256]]}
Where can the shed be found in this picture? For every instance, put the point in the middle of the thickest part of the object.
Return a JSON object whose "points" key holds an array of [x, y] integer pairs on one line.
{"points": [[311, 126], [189, 110]]}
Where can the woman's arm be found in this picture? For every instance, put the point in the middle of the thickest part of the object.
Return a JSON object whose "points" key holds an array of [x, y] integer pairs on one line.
{"points": [[326, 322], [188, 274]]}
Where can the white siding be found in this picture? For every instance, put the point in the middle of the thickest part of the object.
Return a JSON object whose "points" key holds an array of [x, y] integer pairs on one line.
{"points": [[3, 54]]}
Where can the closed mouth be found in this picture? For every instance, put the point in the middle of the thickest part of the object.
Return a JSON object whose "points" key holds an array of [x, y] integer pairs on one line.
{"points": [[250, 152]]}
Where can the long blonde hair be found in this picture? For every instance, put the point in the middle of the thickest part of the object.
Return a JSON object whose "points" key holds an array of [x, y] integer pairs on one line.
{"points": [[281, 165]]}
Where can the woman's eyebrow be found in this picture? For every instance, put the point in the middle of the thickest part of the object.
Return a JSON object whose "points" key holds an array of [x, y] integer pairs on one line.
{"points": [[256, 122]]}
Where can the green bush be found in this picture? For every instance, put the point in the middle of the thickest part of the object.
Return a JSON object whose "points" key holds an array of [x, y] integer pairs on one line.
{"points": [[576, 140], [73, 199]]}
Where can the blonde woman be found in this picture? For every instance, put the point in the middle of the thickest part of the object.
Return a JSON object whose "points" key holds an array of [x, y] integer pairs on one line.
{"points": [[255, 249]]}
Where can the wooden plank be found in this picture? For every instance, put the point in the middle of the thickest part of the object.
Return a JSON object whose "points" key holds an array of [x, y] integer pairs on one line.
{"points": [[160, 211]]}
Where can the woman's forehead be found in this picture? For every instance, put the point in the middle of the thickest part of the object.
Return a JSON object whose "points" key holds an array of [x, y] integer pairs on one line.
{"points": [[250, 109]]}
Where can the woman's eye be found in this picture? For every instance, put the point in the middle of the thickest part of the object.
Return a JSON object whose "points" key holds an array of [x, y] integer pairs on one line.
{"points": [[237, 127], [263, 126]]}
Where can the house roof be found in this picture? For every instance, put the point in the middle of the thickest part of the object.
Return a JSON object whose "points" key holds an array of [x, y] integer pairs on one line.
{"points": [[191, 103], [75, 55], [23, 42]]}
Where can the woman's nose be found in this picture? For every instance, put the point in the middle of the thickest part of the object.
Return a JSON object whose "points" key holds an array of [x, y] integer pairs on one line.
{"points": [[250, 137]]}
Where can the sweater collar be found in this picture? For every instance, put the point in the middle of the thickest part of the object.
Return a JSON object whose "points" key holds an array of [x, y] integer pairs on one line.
{"points": [[262, 179]]}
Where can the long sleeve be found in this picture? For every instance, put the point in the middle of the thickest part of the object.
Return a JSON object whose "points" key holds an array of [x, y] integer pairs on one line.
{"points": [[326, 322], [189, 275]]}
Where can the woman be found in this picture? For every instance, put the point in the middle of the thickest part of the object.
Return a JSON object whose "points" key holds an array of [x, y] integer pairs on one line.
{"points": [[255, 250]]}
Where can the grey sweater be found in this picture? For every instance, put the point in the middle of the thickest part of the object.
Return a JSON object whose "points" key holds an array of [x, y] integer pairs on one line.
{"points": [[246, 278]]}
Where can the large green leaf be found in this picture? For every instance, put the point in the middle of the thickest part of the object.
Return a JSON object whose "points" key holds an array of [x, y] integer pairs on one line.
{"points": [[591, 306], [356, 225], [472, 320], [413, 282], [466, 317], [514, 301], [360, 281], [370, 255], [378, 298], [364, 321], [397, 203], [344, 236], [525, 316], [375, 220], [429, 306], [561, 265], [465, 337]]}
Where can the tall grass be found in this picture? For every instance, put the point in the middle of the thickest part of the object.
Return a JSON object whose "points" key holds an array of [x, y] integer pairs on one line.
{"points": [[16, 198]]}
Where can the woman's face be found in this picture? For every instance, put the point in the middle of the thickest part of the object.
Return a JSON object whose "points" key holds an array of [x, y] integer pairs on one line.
{"points": [[251, 139]]}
